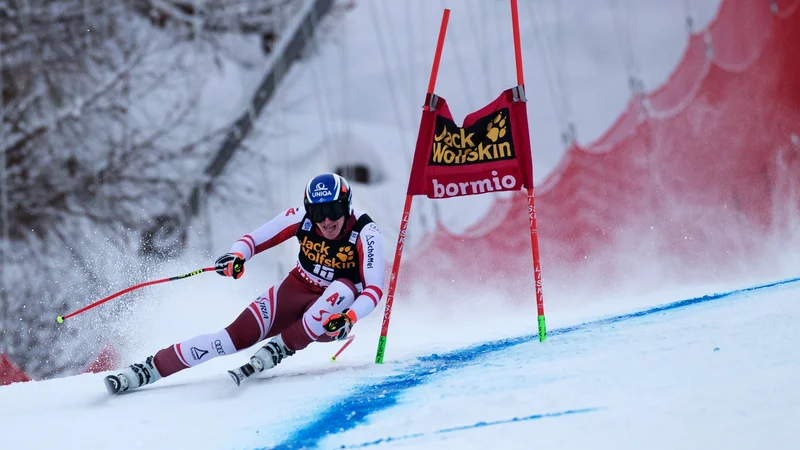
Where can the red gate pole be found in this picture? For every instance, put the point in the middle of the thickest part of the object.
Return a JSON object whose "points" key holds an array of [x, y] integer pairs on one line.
{"points": [[537, 267], [398, 253]]}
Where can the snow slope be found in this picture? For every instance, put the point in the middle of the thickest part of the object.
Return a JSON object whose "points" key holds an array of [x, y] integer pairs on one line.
{"points": [[715, 371]]}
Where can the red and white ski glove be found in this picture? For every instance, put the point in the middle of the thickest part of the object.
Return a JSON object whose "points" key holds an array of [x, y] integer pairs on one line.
{"points": [[338, 325], [230, 265]]}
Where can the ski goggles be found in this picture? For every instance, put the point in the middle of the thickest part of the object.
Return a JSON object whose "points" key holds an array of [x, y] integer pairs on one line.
{"points": [[318, 212]]}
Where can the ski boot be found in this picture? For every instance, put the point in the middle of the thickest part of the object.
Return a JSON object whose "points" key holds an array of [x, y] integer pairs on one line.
{"points": [[133, 377], [267, 357]]}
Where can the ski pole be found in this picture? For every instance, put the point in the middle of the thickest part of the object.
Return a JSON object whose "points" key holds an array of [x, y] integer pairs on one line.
{"points": [[347, 342], [60, 319]]}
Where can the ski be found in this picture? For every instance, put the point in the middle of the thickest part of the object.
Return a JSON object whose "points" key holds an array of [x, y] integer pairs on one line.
{"points": [[241, 373]]}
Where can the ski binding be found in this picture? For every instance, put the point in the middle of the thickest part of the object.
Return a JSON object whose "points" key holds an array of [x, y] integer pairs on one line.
{"points": [[115, 384], [242, 373]]}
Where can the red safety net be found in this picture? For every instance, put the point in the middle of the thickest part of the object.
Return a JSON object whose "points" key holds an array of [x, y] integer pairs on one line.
{"points": [[691, 179], [107, 359], [9, 373]]}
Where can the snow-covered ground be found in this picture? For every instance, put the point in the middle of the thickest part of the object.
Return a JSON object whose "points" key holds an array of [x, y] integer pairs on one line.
{"points": [[716, 372]]}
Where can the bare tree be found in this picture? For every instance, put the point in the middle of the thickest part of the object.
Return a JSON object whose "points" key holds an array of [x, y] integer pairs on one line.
{"points": [[265, 18], [98, 141]]}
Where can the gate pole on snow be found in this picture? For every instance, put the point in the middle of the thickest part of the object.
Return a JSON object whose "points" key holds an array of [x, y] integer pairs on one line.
{"points": [[398, 253], [537, 267]]}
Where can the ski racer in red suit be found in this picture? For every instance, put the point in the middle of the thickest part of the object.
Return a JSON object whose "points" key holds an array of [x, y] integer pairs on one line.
{"points": [[338, 280]]}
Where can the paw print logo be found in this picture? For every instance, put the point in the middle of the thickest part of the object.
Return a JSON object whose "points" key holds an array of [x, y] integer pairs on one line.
{"points": [[496, 128], [345, 253]]}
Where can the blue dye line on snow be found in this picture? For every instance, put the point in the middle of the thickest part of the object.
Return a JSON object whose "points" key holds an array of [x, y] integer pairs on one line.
{"points": [[469, 427], [368, 399]]}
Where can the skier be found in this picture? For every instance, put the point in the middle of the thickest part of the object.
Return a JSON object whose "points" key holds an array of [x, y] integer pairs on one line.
{"points": [[338, 280]]}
